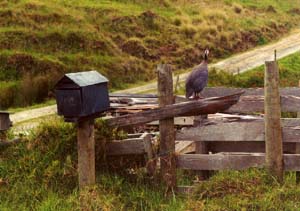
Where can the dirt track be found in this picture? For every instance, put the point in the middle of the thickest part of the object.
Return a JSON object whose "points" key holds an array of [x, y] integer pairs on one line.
{"points": [[241, 63]]}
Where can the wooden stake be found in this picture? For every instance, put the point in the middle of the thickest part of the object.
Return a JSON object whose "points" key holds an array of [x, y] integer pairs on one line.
{"points": [[273, 133], [201, 147], [297, 150], [86, 153], [177, 84], [166, 129]]}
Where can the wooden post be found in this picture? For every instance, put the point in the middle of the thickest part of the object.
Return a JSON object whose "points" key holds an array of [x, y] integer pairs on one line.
{"points": [[273, 132], [201, 147], [166, 128], [297, 150], [86, 153]]}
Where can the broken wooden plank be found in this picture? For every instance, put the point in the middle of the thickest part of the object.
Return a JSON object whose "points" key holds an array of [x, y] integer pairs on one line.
{"points": [[239, 130], [203, 106], [184, 147], [231, 161]]}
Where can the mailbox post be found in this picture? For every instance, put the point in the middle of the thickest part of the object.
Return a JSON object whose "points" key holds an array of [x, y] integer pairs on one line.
{"points": [[81, 97], [5, 122], [86, 153]]}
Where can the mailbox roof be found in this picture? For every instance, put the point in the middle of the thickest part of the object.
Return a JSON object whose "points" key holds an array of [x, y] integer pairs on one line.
{"points": [[86, 78]]}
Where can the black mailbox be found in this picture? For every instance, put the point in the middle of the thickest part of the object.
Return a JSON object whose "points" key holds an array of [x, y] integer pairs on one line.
{"points": [[82, 94], [5, 122]]}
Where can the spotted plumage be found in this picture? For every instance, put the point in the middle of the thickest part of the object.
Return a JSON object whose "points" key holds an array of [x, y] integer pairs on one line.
{"points": [[198, 78]]}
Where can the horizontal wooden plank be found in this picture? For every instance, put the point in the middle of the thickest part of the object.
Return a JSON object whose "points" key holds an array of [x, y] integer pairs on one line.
{"points": [[248, 146], [250, 104], [221, 91], [238, 130], [128, 95], [125, 147], [180, 121], [232, 161], [191, 108]]}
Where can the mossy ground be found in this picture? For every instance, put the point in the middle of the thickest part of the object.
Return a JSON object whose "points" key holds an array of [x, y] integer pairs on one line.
{"points": [[124, 39]]}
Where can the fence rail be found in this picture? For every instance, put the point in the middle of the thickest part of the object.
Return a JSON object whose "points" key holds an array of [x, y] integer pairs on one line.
{"points": [[232, 161], [243, 130]]}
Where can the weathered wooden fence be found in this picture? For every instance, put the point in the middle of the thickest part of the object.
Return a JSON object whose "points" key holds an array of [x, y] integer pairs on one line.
{"points": [[228, 143], [239, 143], [234, 142]]}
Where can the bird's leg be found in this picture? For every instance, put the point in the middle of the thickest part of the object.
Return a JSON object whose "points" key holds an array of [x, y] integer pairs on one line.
{"points": [[196, 97]]}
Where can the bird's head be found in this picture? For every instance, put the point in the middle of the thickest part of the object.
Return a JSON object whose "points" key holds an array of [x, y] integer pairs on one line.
{"points": [[205, 55]]}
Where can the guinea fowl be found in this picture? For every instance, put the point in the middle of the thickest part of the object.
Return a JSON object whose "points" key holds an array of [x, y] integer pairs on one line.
{"points": [[197, 79]]}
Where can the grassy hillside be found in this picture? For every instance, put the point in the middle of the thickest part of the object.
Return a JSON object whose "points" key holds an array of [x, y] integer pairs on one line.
{"points": [[124, 39], [40, 174]]}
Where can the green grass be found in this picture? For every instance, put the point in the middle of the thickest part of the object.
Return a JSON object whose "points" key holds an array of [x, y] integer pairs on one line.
{"points": [[126, 39], [40, 174], [248, 190]]}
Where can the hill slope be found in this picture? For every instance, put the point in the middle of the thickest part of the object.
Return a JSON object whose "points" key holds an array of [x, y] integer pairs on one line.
{"points": [[124, 39]]}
